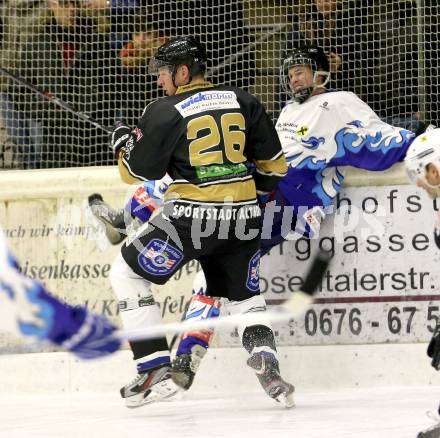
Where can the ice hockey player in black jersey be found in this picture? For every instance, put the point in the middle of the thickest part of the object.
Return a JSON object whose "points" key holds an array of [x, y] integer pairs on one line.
{"points": [[223, 155]]}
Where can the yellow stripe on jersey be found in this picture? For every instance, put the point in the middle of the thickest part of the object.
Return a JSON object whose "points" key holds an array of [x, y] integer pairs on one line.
{"points": [[277, 166], [126, 176], [193, 86], [230, 192]]}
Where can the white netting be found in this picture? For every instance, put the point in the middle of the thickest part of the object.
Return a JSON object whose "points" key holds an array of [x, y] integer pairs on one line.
{"points": [[384, 50]]}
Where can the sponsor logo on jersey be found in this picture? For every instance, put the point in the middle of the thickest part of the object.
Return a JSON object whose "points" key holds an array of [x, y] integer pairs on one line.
{"points": [[303, 130], [159, 258], [324, 105], [253, 278], [220, 170], [206, 101]]}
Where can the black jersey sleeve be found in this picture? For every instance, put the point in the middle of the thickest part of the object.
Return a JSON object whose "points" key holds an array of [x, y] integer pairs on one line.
{"points": [[265, 150], [147, 153]]}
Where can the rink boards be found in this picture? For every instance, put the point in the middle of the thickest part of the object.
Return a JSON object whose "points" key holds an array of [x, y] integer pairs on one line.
{"points": [[382, 285]]}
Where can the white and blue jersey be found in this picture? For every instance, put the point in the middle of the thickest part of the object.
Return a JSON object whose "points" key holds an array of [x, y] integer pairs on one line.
{"points": [[326, 133]]}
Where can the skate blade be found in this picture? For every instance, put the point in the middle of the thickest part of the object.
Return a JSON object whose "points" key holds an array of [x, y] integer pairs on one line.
{"points": [[182, 380], [432, 432], [161, 391]]}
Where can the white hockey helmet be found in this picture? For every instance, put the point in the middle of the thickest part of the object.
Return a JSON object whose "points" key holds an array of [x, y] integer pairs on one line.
{"points": [[424, 150]]}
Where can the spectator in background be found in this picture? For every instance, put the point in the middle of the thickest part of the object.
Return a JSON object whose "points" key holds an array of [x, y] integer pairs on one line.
{"points": [[372, 51], [73, 61], [138, 87], [122, 13], [429, 33], [134, 38], [326, 24], [20, 20], [222, 30], [139, 25], [387, 61]]}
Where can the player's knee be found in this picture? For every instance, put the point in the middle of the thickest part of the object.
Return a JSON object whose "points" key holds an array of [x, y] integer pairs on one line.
{"points": [[202, 307], [136, 303], [255, 305], [139, 311]]}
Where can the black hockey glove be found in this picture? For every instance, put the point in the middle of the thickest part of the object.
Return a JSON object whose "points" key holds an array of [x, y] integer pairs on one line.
{"points": [[434, 348], [119, 136]]}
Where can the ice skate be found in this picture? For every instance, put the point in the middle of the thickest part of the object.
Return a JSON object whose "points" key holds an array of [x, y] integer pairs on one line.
{"points": [[151, 386], [112, 219], [432, 432], [185, 366], [268, 372]]}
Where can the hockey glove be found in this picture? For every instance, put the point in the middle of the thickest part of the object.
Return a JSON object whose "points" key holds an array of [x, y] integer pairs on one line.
{"points": [[42, 316], [73, 328], [434, 348], [119, 136]]}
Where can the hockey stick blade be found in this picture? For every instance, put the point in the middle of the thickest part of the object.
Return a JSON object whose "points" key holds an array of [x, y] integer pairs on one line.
{"points": [[291, 308]]}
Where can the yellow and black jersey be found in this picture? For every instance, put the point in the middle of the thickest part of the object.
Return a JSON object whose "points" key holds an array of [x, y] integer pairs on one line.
{"points": [[217, 143]]}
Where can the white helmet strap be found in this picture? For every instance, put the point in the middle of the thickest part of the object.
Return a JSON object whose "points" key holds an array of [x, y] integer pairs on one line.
{"points": [[318, 73]]}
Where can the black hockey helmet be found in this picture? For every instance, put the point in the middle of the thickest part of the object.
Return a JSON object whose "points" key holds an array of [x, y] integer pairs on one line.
{"points": [[307, 54], [180, 51]]}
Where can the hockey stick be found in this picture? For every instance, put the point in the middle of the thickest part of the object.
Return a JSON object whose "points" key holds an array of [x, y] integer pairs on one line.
{"points": [[291, 308], [51, 98]]}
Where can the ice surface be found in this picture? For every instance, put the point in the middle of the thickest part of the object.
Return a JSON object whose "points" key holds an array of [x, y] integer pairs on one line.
{"points": [[398, 412]]}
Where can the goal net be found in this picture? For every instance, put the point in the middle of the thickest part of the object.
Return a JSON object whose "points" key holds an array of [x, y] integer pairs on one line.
{"points": [[93, 54]]}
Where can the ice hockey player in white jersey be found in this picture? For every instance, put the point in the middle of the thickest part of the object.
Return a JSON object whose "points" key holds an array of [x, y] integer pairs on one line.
{"points": [[321, 130], [28, 310], [423, 166]]}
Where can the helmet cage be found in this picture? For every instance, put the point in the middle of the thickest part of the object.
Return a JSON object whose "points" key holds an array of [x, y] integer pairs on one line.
{"points": [[300, 59]]}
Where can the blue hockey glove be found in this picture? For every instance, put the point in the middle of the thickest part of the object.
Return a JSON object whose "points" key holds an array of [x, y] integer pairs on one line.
{"points": [[94, 338], [35, 313]]}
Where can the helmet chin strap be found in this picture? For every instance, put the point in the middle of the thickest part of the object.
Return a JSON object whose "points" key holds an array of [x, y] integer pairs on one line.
{"points": [[302, 95], [320, 73]]}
